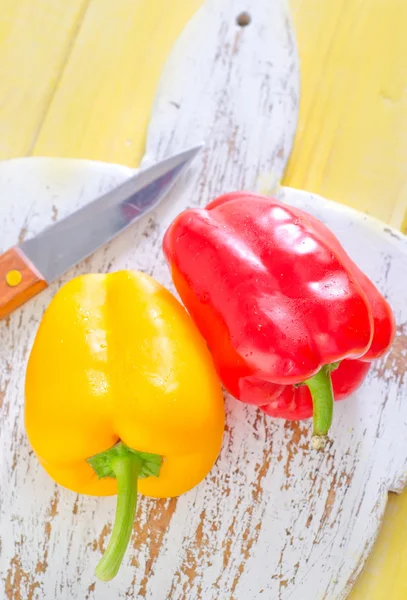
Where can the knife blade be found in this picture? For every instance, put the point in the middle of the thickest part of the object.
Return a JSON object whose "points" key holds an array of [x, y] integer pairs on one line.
{"points": [[27, 269]]}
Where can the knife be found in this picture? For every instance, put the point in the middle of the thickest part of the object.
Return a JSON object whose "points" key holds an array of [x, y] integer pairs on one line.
{"points": [[29, 268]]}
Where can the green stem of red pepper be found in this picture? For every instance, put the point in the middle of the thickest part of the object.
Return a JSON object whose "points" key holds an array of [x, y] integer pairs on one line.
{"points": [[320, 387]]}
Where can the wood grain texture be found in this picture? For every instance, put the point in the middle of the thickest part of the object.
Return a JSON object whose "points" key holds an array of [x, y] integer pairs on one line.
{"points": [[352, 137], [384, 573], [102, 105], [12, 297], [35, 40]]}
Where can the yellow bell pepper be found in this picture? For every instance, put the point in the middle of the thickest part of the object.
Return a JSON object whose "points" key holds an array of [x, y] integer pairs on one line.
{"points": [[120, 386]]}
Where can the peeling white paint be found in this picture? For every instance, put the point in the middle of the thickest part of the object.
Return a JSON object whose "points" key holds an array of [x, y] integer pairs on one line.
{"points": [[273, 520]]}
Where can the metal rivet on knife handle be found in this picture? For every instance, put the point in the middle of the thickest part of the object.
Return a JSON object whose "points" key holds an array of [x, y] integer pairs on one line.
{"points": [[14, 278], [19, 281]]}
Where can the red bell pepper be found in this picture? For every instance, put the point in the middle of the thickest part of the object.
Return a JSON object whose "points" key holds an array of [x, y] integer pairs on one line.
{"points": [[280, 304]]}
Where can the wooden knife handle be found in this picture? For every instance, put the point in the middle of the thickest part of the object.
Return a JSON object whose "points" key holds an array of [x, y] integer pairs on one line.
{"points": [[19, 281]]}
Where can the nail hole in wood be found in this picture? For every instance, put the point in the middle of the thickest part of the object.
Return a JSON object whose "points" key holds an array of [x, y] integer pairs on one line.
{"points": [[244, 19]]}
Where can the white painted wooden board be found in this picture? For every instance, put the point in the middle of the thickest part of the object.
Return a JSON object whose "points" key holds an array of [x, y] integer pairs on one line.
{"points": [[273, 519]]}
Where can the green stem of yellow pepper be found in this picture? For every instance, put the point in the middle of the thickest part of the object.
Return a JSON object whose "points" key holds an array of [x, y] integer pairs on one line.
{"points": [[126, 471], [126, 465]]}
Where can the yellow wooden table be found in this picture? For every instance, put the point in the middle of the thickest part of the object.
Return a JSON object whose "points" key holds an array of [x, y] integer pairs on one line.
{"points": [[77, 79]]}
